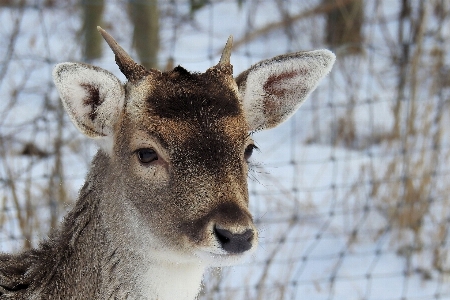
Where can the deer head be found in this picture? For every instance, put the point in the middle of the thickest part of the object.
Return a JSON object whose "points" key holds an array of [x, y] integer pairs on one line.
{"points": [[176, 145]]}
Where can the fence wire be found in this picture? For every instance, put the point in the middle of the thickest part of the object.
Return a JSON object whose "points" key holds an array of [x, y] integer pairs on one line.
{"points": [[350, 195]]}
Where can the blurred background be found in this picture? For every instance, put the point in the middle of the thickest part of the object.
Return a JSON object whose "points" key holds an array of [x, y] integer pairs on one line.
{"points": [[351, 195]]}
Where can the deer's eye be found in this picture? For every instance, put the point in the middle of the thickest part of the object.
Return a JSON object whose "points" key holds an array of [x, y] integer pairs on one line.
{"points": [[249, 151], [147, 155]]}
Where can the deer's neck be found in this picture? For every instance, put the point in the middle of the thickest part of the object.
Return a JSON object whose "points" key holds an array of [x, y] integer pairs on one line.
{"points": [[158, 274], [146, 268]]}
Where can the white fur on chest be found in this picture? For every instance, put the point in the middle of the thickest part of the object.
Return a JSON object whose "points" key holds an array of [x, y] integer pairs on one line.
{"points": [[166, 281]]}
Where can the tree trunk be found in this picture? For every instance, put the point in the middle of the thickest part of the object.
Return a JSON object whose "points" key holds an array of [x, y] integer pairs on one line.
{"points": [[144, 15], [92, 17]]}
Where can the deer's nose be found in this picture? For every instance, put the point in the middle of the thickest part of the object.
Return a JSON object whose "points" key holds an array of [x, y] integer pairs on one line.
{"points": [[232, 242]]}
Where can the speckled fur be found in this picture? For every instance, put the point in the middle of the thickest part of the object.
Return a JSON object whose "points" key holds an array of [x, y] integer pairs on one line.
{"points": [[147, 231]]}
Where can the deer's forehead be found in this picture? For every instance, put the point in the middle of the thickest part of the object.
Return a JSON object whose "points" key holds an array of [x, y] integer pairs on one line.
{"points": [[182, 95]]}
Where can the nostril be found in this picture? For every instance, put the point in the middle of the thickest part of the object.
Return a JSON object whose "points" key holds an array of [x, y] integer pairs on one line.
{"points": [[223, 235], [234, 243], [248, 235]]}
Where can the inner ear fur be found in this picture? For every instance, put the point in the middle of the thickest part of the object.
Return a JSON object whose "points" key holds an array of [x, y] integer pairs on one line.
{"points": [[273, 89], [93, 98]]}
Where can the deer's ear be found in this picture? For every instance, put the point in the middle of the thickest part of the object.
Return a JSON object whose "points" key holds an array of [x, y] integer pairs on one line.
{"points": [[92, 97], [273, 89]]}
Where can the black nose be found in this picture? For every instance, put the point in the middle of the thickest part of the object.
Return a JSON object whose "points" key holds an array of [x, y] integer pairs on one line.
{"points": [[234, 243]]}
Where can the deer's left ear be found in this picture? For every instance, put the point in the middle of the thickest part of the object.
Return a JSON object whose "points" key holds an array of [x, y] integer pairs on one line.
{"points": [[273, 89]]}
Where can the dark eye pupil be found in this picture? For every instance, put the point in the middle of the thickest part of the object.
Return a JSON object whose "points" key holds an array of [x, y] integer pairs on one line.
{"points": [[147, 155], [249, 151]]}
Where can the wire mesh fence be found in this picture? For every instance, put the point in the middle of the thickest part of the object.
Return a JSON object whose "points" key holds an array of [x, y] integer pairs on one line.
{"points": [[350, 195]]}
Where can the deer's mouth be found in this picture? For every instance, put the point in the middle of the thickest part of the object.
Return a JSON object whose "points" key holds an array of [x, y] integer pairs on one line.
{"points": [[220, 258]]}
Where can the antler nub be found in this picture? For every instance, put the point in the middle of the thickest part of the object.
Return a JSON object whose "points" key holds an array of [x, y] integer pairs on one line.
{"points": [[226, 54], [132, 70]]}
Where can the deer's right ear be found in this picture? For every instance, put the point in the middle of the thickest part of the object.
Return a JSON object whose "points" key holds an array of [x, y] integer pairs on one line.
{"points": [[93, 98]]}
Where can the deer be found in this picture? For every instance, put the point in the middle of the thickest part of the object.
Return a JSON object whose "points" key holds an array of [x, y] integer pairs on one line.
{"points": [[166, 195]]}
